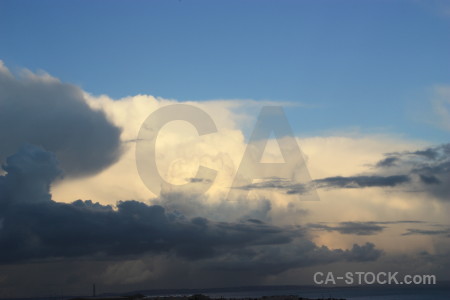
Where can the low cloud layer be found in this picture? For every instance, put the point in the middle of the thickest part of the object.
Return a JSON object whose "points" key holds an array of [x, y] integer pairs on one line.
{"points": [[41, 110]]}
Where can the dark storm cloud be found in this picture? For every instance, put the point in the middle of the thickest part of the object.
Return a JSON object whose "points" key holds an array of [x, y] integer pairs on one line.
{"points": [[274, 260], [30, 172], [34, 227], [80, 229], [43, 111]]}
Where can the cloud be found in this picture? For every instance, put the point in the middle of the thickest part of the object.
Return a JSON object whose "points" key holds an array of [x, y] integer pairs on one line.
{"points": [[429, 167], [361, 181], [387, 162], [31, 171], [275, 260], [366, 252], [41, 110], [34, 227], [188, 239], [424, 171], [415, 231], [358, 228], [180, 151], [351, 182]]}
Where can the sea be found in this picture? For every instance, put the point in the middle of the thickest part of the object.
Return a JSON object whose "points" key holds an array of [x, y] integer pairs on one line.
{"points": [[365, 292], [430, 292]]}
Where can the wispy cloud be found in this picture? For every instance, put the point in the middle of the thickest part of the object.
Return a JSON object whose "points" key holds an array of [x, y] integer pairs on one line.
{"points": [[359, 228], [426, 170], [416, 231]]}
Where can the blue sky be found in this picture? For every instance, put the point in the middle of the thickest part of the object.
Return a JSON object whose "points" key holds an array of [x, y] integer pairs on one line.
{"points": [[369, 65]]}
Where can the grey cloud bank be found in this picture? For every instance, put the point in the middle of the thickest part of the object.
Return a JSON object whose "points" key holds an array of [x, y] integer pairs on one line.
{"points": [[43, 111], [34, 227]]}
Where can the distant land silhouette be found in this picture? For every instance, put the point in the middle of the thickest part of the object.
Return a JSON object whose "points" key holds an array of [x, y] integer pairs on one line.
{"points": [[440, 291], [197, 297]]}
